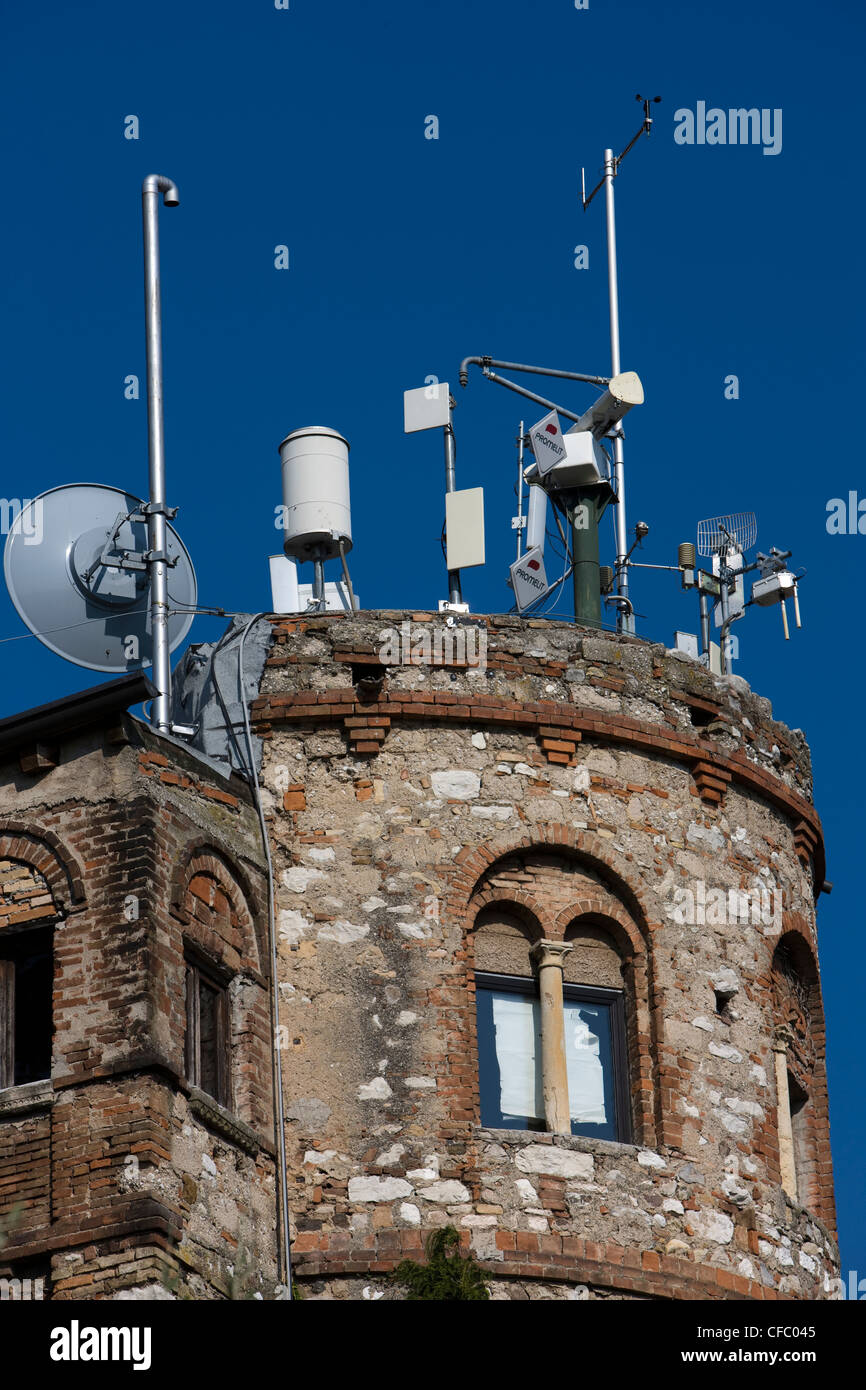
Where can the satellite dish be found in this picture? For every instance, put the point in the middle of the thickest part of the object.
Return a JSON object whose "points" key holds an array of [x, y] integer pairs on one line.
{"points": [[63, 574]]}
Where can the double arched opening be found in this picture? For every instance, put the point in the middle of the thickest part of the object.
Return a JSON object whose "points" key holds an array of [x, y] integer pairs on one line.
{"points": [[563, 1025]]}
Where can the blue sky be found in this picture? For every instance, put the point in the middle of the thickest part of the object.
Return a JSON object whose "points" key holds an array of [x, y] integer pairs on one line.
{"points": [[306, 128]]}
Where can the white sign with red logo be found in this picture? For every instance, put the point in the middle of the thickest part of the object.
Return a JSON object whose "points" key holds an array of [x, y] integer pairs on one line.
{"points": [[528, 578], [547, 442]]}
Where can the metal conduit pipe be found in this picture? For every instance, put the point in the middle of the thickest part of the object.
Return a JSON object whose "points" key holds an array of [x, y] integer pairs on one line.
{"points": [[284, 1264], [524, 367]]}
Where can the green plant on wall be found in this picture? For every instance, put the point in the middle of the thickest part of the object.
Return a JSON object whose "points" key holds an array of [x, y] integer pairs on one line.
{"points": [[447, 1275]]}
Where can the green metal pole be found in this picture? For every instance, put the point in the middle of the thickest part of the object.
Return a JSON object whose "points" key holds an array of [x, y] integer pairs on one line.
{"points": [[585, 516]]}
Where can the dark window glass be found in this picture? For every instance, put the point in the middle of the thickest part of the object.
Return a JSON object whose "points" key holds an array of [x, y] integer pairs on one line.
{"points": [[26, 1007], [209, 1006], [207, 1032]]}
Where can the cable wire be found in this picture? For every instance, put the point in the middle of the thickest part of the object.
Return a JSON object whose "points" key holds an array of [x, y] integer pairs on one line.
{"points": [[284, 1243]]}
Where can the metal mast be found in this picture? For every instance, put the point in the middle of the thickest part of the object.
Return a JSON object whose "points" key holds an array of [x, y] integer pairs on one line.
{"points": [[156, 509], [455, 588], [625, 614]]}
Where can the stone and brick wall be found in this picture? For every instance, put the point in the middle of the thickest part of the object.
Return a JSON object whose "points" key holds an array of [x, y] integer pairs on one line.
{"points": [[574, 778], [426, 819], [117, 1177]]}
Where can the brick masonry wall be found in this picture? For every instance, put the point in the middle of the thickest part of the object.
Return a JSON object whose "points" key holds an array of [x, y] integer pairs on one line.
{"points": [[124, 1180], [575, 773]]}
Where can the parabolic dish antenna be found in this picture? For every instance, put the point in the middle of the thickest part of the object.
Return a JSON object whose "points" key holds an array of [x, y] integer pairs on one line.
{"points": [[63, 572]]}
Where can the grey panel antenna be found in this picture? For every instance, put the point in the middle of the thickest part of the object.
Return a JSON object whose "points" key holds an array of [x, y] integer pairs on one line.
{"points": [[62, 572], [737, 530]]}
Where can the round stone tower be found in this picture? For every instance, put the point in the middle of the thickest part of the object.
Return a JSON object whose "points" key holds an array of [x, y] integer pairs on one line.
{"points": [[546, 914]]}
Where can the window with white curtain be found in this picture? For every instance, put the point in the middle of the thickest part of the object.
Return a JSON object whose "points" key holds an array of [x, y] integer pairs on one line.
{"points": [[509, 1057], [509, 1048]]}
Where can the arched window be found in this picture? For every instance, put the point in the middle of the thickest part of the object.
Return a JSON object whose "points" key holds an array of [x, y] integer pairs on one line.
{"points": [[209, 1023], [26, 975], [552, 1051], [221, 966]]}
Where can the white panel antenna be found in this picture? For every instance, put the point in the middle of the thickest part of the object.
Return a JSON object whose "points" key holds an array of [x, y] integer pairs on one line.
{"points": [[536, 525], [426, 407], [464, 528]]}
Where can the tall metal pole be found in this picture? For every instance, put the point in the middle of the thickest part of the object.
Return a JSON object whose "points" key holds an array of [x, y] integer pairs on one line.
{"points": [[455, 592], [624, 618], [520, 491], [585, 514], [625, 611], [153, 185], [319, 585], [705, 625]]}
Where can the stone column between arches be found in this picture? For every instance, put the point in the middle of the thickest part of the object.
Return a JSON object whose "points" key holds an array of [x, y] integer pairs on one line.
{"points": [[548, 957], [784, 1122]]}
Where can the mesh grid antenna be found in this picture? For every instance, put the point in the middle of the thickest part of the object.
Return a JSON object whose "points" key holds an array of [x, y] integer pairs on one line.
{"points": [[738, 529]]}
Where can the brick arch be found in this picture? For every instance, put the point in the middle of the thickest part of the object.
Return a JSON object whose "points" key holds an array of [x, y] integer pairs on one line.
{"points": [[796, 939], [527, 908], [620, 906], [45, 852], [204, 861], [472, 864], [592, 903], [795, 925]]}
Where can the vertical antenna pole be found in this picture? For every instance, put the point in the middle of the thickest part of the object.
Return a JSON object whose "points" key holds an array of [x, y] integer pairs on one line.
{"points": [[519, 490], [585, 516], [319, 585], [624, 618], [724, 609], [154, 184], [705, 625], [455, 592]]}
